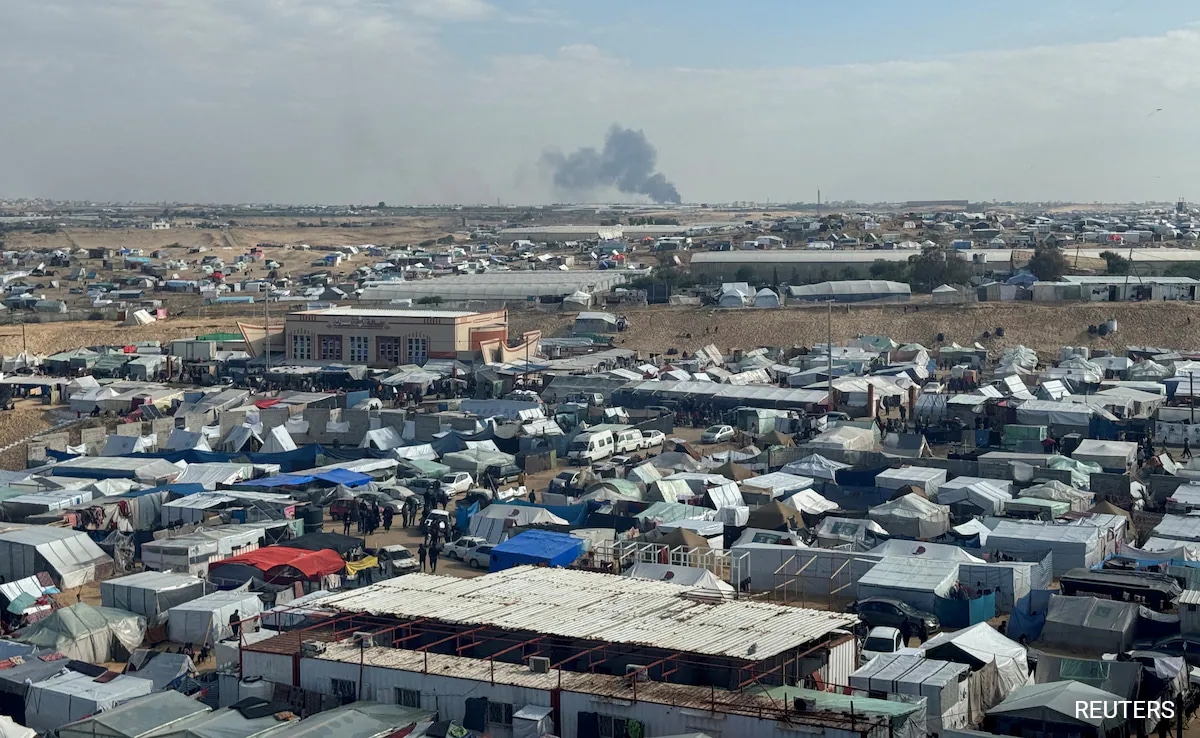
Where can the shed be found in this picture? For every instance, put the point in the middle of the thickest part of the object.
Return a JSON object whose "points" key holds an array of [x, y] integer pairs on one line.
{"points": [[151, 593], [87, 633], [73, 696], [593, 322], [912, 516], [537, 548], [979, 645], [1089, 625], [945, 295], [943, 684], [205, 620], [919, 582]]}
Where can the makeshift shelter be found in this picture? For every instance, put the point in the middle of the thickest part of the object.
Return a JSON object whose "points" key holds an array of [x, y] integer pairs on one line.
{"points": [[277, 440], [87, 633], [70, 557], [1089, 625], [151, 593], [943, 684], [927, 479], [912, 516], [775, 516], [979, 645], [1106, 454], [138, 718], [195, 552], [1073, 546], [1079, 500], [815, 466], [1052, 709], [166, 670], [766, 298], [844, 438], [809, 502], [278, 565], [494, 521], [860, 535], [704, 582], [919, 582], [185, 440], [920, 550], [205, 620], [978, 498], [73, 696], [476, 460], [9, 728], [537, 548]]}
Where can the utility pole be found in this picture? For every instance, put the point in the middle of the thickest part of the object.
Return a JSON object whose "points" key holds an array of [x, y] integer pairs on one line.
{"points": [[1192, 396], [829, 351], [267, 341]]}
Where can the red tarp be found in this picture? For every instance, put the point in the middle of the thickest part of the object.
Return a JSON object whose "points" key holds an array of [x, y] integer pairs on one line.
{"points": [[264, 404], [310, 564]]}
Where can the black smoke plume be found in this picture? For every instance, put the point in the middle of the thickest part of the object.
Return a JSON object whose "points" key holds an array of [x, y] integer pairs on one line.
{"points": [[626, 162]]}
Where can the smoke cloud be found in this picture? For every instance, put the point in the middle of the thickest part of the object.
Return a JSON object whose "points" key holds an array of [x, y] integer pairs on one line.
{"points": [[627, 162]]}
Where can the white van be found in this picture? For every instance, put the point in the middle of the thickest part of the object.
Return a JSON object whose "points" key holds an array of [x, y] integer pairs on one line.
{"points": [[591, 447], [629, 440]]}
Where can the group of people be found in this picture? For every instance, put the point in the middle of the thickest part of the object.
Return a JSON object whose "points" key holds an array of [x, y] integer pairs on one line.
{"points": [[368, 516]]}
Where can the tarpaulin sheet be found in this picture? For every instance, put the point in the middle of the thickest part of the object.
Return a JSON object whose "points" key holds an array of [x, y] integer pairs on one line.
{"points": [[343, 476], [575, 515], [279, 480], [537, 547], [290, 461], [311, 564], [354, 567]]}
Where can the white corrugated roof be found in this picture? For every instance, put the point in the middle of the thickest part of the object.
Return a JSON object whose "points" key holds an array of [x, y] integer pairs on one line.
{"points": [[600, 607]]}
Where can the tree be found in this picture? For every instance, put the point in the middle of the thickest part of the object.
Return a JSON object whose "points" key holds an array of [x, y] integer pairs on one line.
{"points": [[1187, 269], [430, 300], [1116, 264], [381, 205], [744, 274], [890, 270], [935, 266], [1048, 263]]}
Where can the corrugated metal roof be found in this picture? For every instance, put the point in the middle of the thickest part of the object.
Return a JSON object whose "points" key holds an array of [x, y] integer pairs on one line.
{"points": [[1189, 597], [601, 607]]}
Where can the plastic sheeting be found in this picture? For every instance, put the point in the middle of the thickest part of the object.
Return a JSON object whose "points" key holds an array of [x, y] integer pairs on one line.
{"points": [[1073, 546], [815, 466], [919, 582], [912, 516], [982, 644], [151, 593], [1089, 625], [138, 717], [205, 620], [537, 548], [73, 696], [69, 556], [86, 633]]}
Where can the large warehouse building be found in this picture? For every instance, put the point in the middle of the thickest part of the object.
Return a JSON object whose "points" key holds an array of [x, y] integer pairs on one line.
{"points": [[388, 338], [496, 288], [791, 266]]}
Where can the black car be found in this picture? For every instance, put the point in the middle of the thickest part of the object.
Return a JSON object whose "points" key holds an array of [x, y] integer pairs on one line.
{"points": [[884, 612], [1187, 646], [503, 473]]}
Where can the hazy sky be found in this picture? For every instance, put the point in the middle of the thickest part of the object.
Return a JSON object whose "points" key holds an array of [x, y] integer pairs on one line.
{"points": [[435, 101]]}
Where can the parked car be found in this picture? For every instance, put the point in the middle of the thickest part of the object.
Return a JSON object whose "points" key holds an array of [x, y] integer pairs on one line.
{"points": [[480, 557], [460, 549], [436, 520], [565, 483], [420, 484], [717, 434], [653, 439], [878, 612], [881, 641], [1186, 646], [398, 559], [457, 483], [503, 473]]}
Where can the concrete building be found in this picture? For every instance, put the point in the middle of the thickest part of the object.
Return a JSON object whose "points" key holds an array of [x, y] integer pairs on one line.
{"points": [[598, 654], [388, 338], [1117, 288]]}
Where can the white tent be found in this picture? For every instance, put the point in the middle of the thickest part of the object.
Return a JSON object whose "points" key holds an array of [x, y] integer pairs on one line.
{"points": [[979, 645], [861, 534], [205, 620], [494, 520], [73, 696], [139, 317], [185, 440], [917, 581], [1053, 489], [703, 582], [69, 556], [151, 593], [1106, 454], [946, 294], [844, 438], [815, 466], [927, 479], [808, 501], [1089, 624], [1073, 545], [766, 298], [126, 445], [978, 498], [912, 516], [277, 441], [476, 460], [382, 439], [86, 633], [921, 550], [11, 729]]}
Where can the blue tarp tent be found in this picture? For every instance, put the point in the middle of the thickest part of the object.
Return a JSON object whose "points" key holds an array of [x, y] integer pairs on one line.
{"points": [[343, 476], [463, 515], [279, 480], [537, 548]]}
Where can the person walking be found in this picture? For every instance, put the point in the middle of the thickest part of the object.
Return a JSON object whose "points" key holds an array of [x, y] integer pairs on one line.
{"points": [[1187, 449], [235, 624], [404, 514], [388, 516], [346, 523], [433, 557], [422, 553]]}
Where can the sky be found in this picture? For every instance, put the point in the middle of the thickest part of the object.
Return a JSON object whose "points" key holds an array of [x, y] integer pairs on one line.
{"points": [[459, 101]]}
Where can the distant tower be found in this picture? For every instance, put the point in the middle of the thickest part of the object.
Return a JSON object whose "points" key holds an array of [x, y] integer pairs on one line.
{"points": [[1180, 207]]}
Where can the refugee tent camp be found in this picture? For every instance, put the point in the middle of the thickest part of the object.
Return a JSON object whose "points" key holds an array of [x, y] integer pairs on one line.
{"points": [[73, 696], [919, 582], [981, 644], [1089, 625], [69, 556]]}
